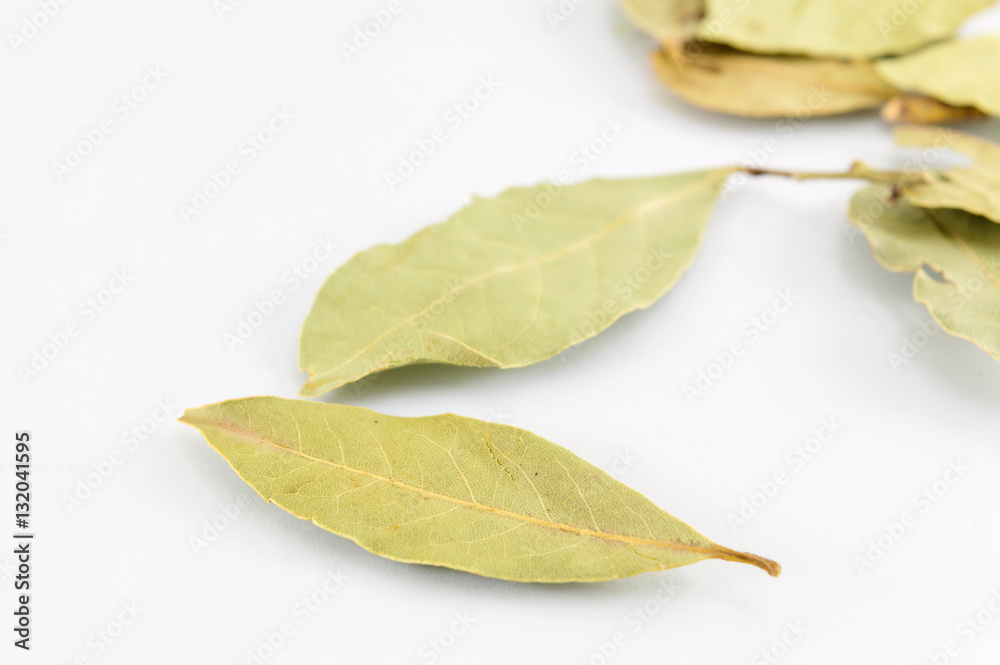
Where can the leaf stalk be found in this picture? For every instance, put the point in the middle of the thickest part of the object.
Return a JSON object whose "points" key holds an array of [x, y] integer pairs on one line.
{"points": [[858, 171]]}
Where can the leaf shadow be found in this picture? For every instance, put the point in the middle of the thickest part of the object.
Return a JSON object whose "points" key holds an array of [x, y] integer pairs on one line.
{"points": [[428, 376], [613, 342], [426, 578], [987, 128]]}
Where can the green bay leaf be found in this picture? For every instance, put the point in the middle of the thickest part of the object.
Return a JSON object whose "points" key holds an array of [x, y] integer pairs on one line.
{"points": [[959, 73], [834, 28], [445, 490], [962, 248], [722, 79], [508, 281], [975, 188]]}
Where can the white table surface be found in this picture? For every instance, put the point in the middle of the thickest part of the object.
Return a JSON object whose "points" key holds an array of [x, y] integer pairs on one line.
{"points": [[161, 340]]}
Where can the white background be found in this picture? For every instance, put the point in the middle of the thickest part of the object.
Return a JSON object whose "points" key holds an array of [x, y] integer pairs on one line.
{"points": [[619, 395]]}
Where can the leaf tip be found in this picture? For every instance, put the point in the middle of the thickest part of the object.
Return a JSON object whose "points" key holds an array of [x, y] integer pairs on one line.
{"points": [[310, 389], [772, 568], [190, 417]]}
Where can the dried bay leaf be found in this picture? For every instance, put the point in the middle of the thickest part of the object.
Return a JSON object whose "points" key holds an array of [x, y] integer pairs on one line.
{"points": [[975, 188], [508, 281], [445, 490], [722, 79], [923, 110], [833, 28], [959, 73], [963, 248], [670, 21]]}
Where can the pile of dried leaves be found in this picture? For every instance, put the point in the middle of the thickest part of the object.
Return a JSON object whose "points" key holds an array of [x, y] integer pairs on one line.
{"points": [[773, 58], [516, 279]]}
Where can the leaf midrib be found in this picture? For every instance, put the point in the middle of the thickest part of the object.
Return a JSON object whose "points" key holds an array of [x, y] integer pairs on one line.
{"points": [[236, 429]]}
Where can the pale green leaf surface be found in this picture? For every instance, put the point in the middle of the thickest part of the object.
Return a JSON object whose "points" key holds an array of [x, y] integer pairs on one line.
{"points": [[964, 249], [670, 21], [975, 188], [508, 281], [834, 28], [728, 81], [450, 491], [960, 73]]}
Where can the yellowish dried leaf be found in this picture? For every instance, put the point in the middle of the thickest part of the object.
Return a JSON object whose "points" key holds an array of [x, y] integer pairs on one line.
{"points": [[670, 21], [721, 79], [963, 250], [958, 73], [508, 281], [974, 188], [924, 110], [449, 491], [834, 28]]}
